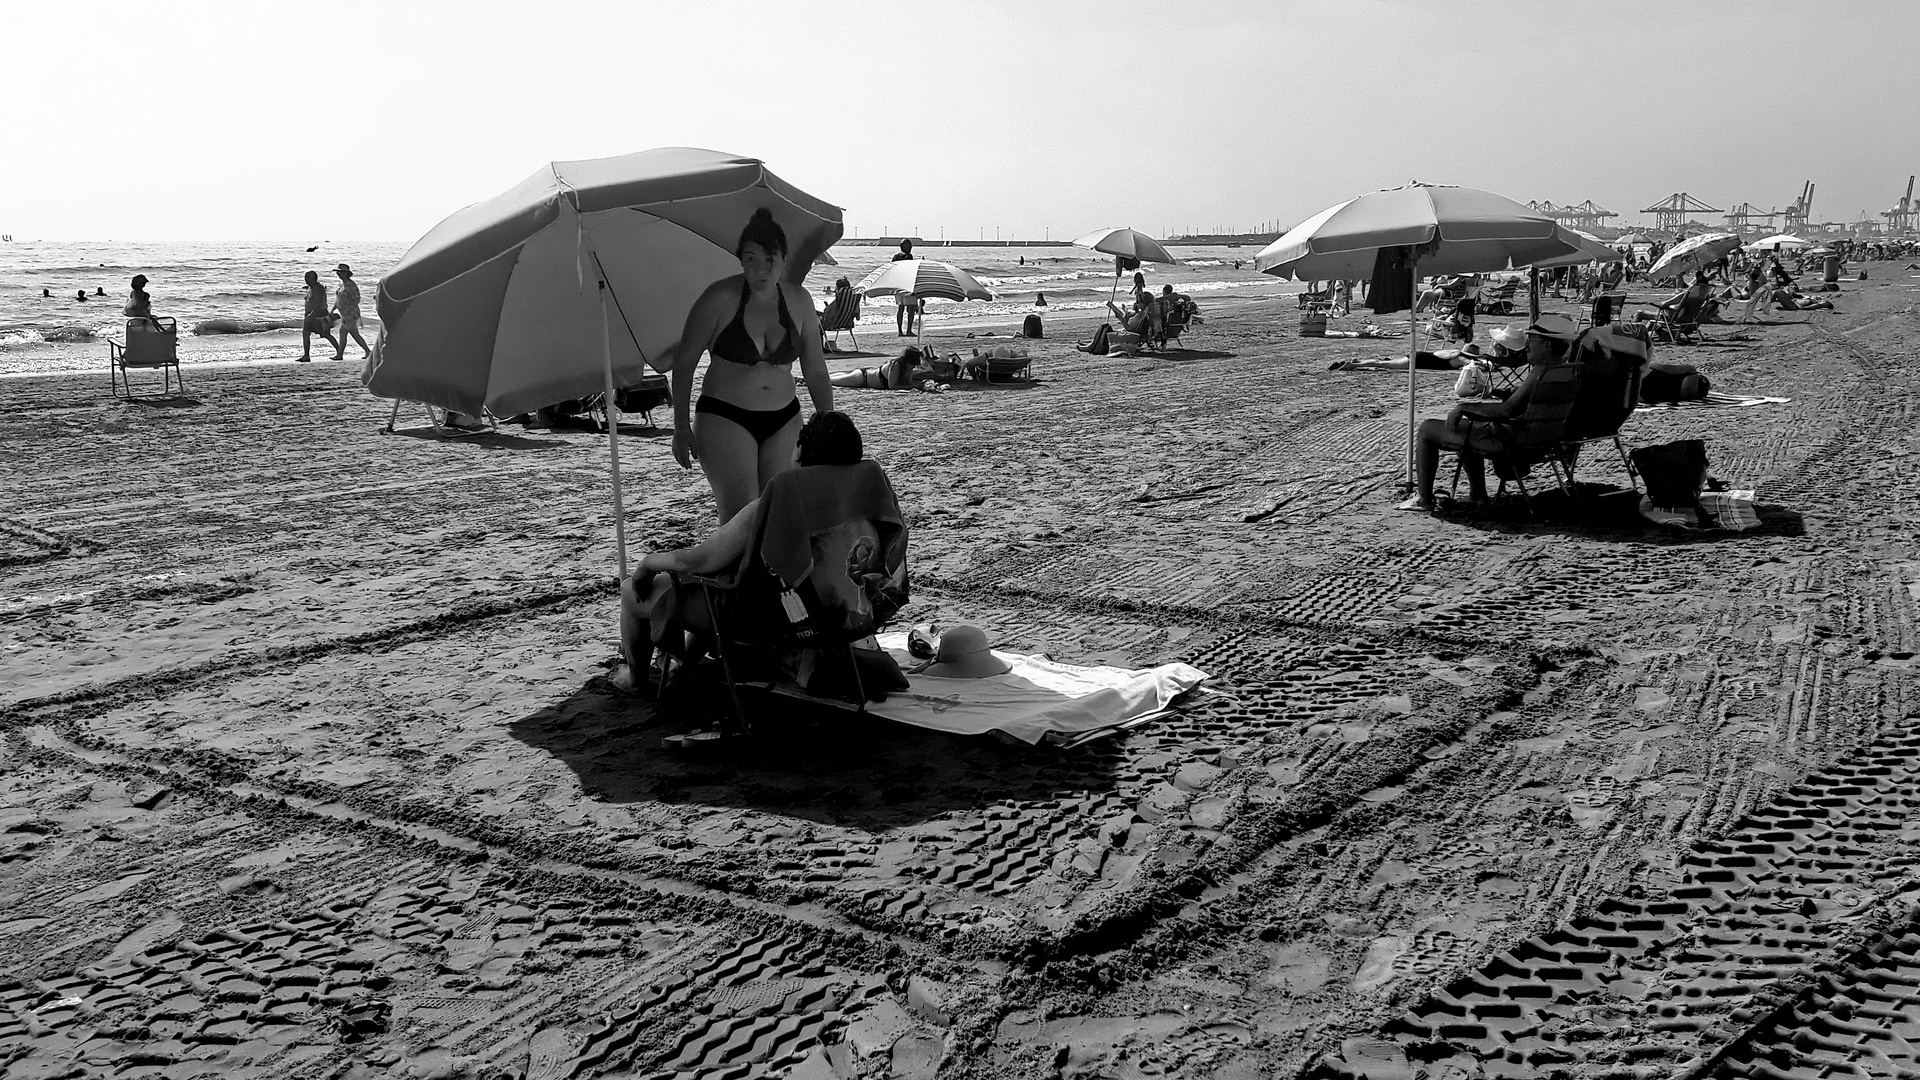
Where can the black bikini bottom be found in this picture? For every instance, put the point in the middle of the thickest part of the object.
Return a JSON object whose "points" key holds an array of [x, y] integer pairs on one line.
{"points": [[762, 424]]}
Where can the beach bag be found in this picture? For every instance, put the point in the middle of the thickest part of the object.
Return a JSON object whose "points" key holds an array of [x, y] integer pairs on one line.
{"points": [[1475, 381], [1669, 381], [1031, 327], [1098, 346], [1313, 324], [1673, 473]]}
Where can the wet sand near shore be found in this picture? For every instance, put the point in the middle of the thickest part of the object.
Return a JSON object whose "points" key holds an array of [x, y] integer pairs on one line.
{"points": [[299, 774]]}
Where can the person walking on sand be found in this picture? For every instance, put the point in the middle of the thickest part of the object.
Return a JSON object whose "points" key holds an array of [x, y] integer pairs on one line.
{"points": [[315, 321], [346, 304]]}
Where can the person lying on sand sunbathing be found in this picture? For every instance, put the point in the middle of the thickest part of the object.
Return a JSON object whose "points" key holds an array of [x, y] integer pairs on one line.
{"points": [[1509, 345], [911, 370], [646, 604], [1465, 429]]}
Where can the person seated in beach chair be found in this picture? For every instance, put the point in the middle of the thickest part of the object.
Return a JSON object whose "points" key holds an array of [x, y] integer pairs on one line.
{"points": [[829, 529], [140, 306], [1445, 292], [1000, 362], [1459, 322], [841, 313], [1473, 430], [1177, 313], [911, 370]]}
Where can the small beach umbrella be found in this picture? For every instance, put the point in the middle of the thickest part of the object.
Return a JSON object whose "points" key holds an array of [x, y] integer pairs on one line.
{"points": [[1778, 241], [1125, 243], [1693, 253], [1436, 229], [576, 281], [924, 278], [1631, 239]]}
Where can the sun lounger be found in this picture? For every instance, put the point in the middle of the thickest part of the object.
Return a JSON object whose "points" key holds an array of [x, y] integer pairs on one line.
{"points": [[841, 313]]}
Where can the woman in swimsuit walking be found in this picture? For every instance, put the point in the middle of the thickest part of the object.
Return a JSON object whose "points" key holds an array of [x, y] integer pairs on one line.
{"points": [[754, 326]]}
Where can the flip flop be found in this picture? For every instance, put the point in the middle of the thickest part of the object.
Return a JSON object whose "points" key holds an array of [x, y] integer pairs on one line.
{"points": [[1415, 504]]}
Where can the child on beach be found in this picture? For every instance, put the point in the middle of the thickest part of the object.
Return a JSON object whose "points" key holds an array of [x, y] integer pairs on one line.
{"points": [[140, 306]]}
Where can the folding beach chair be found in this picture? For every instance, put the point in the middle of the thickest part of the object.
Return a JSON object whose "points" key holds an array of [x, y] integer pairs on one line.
{"points": [[442, 421], [1498, 300], [1177, 317], [151, 343], [1677, 324], [841, 313], [826, 567], [990, 368], [1612, 359]]}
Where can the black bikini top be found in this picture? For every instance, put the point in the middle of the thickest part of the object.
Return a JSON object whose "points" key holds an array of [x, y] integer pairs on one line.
{"points": [[734, 344]]}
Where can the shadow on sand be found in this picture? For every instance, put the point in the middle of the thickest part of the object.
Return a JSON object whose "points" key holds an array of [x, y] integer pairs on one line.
{"points": [[1596, 512], [174, 401], [804, 761], [492, 440]]}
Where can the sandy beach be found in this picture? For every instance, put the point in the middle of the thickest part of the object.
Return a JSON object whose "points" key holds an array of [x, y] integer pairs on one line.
{"points": [[300, 776]]}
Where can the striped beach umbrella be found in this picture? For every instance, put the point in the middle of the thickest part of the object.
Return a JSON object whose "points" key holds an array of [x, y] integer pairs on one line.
{"points": [[1124, 243], [924, 278]]}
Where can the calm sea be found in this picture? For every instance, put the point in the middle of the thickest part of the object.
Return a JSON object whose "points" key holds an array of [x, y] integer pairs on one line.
{"points": [[240, 302]]}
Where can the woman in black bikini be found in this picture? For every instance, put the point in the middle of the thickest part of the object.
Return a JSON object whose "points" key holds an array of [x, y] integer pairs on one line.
{"points": [[754, 326]]}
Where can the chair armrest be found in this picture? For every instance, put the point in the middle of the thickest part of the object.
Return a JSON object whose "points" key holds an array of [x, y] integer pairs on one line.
{"points": [[1483, 410]]}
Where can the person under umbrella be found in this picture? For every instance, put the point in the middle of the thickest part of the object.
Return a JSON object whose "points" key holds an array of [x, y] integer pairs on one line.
{"points": [[755, 326]]}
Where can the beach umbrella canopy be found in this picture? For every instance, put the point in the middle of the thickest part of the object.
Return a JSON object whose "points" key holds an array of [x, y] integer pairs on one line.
{"points": [[1126, 243], [1631, 239], [1693, 253], [923, 278], [1586, 248], [1778, 240], [1460, 230], [498, 307], [1446, 230]]}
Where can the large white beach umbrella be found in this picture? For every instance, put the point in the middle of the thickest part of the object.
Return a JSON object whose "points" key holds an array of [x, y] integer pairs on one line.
{"points": [[1693, 253], [1778, 241], [576, 281], [924, 278], [1438, 230]]}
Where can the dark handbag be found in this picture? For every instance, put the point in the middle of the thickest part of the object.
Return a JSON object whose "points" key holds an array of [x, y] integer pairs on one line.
{"points": [[879, 675], [1673, 473]]}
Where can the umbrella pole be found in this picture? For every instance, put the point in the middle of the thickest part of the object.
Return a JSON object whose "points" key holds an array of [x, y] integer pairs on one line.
{"points": [[613, 432], [1413, 366]]}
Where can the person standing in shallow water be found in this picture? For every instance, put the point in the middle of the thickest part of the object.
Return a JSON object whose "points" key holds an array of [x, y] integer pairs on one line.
{"points": [[347, 303], [315, 320], [906, 309]]}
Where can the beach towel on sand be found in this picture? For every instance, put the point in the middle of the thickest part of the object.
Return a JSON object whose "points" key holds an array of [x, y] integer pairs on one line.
{"points": [[1035, 699], [1718, 399]]}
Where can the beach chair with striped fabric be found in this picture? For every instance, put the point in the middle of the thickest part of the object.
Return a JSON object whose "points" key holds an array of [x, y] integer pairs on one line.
{"points": [[151, 343], [841, 313]]}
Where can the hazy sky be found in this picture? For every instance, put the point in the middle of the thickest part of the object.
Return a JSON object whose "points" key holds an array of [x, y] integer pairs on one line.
{"points": [[329, 120]]}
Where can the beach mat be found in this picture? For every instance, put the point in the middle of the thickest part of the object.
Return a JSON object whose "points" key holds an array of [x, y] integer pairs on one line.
{"points": [[1717, 399], [1037, 699]]}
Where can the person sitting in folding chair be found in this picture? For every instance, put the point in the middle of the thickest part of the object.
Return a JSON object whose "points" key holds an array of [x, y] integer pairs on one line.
{"points": [[654, 608], [1548, 339]]}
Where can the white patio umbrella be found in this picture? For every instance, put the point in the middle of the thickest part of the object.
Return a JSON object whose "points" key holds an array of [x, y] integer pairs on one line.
{"points": [[1693, 253], [924, 278], [1444, 230], [1125, 243], [1777, 241], [576, 281]]}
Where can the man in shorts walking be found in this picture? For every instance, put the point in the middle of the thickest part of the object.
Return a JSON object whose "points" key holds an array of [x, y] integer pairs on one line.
{"points": [[315, 320], [346, 303]]}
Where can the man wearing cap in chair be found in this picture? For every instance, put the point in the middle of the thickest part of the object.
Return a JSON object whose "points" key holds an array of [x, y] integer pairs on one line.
{"points": [[1549, 339]]}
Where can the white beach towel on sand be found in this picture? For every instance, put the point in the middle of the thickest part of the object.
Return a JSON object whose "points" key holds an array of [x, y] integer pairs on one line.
{"points": [[1037, 697]]}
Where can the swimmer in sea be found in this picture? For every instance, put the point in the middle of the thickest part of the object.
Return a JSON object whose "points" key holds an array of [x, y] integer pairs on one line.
{"points": [[81, 296]]}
